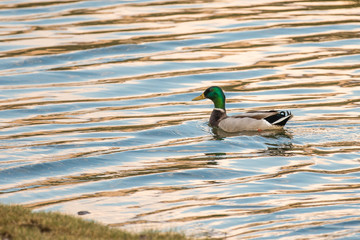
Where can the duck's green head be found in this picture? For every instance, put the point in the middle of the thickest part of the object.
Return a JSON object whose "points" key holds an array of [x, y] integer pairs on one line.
{"points": [[215, 94]]}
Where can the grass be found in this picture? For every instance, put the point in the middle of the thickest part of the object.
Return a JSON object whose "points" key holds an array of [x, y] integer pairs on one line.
{"points": [[17, 222]]}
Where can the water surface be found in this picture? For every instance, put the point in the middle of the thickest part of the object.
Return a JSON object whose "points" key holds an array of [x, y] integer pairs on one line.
{"points": [[96, 114]]}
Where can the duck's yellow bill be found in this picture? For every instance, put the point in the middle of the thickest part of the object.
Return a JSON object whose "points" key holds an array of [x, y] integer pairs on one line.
{"points": [[199, 97]]}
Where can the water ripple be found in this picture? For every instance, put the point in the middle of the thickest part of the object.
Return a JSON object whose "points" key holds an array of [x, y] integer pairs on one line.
{"points": [[96, 114]]}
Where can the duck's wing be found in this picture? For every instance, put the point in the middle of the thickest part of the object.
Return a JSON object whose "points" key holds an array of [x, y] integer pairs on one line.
{"points": [[273, 117], [255, 120]]}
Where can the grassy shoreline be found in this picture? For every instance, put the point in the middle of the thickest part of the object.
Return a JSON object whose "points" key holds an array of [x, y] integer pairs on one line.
{"points": [[18, 222]]}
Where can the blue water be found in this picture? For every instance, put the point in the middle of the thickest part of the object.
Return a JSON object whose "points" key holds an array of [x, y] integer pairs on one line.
{"points": [[96, 114]]}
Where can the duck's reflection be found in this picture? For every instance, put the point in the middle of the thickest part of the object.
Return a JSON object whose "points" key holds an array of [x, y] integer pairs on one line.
{"points": [[220, 134], [278, 142]]}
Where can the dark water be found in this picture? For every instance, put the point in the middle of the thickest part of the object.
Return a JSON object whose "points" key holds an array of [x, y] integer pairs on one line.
{"points": [[96, 114]]}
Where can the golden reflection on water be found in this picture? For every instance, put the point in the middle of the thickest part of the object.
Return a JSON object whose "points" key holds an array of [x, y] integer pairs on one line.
{"points": [[96, 114]]}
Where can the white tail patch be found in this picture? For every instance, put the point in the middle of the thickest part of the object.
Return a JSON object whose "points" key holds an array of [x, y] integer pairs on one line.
{"points": [[282, 119]]}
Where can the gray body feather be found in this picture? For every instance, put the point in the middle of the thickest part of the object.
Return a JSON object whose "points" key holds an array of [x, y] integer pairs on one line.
{"points": [[254, 120]]}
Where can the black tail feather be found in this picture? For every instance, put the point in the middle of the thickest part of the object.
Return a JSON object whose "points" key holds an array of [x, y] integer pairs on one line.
{"points": [[280, 118]]}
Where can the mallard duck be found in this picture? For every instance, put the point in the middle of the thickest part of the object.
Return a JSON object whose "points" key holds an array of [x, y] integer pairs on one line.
{"points": [[249, 121]]}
